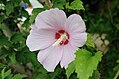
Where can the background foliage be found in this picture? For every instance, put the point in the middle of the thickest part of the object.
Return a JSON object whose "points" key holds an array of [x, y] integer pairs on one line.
{"points": [[102, 21]]}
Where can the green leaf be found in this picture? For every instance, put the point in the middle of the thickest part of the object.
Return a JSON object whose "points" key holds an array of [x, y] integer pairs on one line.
{"points": [[9, 8], [90, 41], [2, 6], [2, 27], [9, 76], [56, 73], [117, 26], [85, 63], [75, 5], [24, 13], [4, 41], [2, 65], [20, 57], [116, 68], [17, 37], [3, 73], [19, 76], [26, 23], [16, 3], [27, 1], [70, 69], [31, 57], [4, 52], [1, 18], [96, 75], [59, 4], [12, 57], [7, 73]]}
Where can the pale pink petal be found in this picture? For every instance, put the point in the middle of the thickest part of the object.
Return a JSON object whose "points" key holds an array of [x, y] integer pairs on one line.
{"points": [[40, 39], [50, 57], [78, 39], [53, 18], [68, 55], [74, 23]]}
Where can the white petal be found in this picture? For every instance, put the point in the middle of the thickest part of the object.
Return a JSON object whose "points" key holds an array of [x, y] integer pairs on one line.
{"points": [[74, 23], [68, 55], [50, 57], [36, 4], [53, 18], [29, 10], [40, 39], [78, 39]]}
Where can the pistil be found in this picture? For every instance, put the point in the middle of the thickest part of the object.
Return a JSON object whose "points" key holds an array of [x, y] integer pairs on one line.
{"points": [[62, 38]]}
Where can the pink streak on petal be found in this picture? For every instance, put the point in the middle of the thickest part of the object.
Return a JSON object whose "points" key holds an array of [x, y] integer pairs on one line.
{"points": [[40, 39], [53, 18], [78, 39], [50, 57], [74, 23], [68, 55]]}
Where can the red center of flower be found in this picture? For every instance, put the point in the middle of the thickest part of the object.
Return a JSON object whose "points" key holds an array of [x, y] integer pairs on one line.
{"points": [[65, 39]]}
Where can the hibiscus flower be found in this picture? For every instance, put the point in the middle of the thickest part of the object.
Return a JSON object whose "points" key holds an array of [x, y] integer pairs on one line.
{"points": [[57, 37]]}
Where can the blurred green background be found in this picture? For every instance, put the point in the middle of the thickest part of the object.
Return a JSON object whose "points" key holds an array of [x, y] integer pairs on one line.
{"points": [[17, 62]]}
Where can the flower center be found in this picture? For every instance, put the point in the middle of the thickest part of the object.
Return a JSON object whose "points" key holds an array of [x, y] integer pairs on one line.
{"points": [[62, 38]]}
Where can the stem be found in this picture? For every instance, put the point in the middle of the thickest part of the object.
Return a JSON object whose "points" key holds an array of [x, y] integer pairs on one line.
{"points": [[117, 74], [48, 3], [7, 32]]}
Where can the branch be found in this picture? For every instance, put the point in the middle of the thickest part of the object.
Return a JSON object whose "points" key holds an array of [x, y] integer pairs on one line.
{"points": [[117, 74]]}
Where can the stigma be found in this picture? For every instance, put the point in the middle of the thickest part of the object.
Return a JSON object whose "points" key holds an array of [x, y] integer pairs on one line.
{"points": [[62, 38]]}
